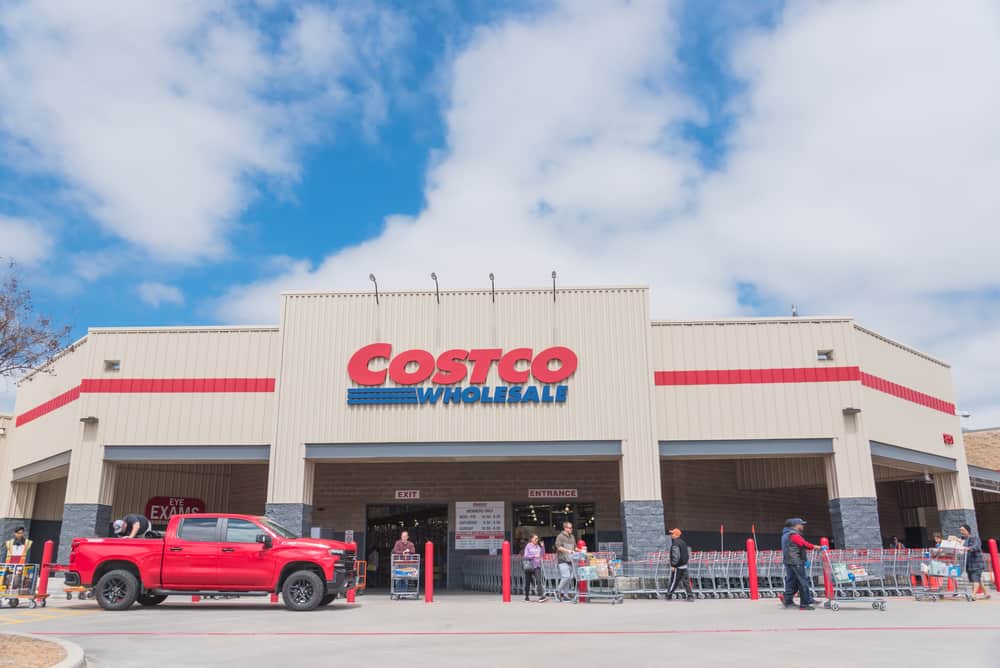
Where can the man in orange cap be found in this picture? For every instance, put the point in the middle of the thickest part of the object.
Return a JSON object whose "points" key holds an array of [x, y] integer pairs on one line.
{"points": [[679, 555]]}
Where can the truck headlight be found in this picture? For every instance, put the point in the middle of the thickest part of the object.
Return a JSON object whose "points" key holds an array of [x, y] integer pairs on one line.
{"points": [[337, 553]]}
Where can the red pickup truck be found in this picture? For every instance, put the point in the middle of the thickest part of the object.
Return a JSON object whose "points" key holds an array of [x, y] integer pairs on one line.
{"points": [[213, 555]]}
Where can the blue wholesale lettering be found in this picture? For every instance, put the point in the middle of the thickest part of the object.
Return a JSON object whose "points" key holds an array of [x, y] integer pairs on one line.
{"points": [[472, 394]]}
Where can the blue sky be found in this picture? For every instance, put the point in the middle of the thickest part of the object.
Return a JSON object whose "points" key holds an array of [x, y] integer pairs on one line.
{"points": [[186, 163]]}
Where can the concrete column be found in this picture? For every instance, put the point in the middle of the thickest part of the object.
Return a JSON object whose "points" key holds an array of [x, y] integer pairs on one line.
{"points": [[89, 494], [850, 484], [954, 501], [289, 499]]}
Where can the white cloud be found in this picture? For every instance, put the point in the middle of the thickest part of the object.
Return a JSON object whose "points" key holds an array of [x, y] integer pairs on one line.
{"points": [[23, 241], [860, 176], [156, 294], [161, 117]]}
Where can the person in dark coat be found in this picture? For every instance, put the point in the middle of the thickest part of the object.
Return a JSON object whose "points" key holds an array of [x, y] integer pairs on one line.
{"points": [[974, 563], [795, 550], [680, 553]]}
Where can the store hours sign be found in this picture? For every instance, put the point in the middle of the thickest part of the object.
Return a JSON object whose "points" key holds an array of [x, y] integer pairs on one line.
{"points": [[479, 525]]}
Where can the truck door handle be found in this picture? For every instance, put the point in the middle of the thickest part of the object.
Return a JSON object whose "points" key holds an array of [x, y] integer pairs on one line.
{"points": [[228, 549], [175, 549]]}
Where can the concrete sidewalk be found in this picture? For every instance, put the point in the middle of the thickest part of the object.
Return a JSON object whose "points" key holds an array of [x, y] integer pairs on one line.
{"points": [[478, 630]]}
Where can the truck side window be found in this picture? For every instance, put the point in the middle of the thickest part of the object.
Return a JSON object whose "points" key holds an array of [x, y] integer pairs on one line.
{"points": [[242, 531], [199, 529]]}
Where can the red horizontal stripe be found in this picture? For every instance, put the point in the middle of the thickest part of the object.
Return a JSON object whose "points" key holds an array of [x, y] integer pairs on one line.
{"points": [[146, 385], [830, 374], [175, 385], [907, 393], [825, 374], [66, 397]]}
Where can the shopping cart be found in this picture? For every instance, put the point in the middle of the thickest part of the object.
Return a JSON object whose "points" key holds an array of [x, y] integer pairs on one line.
{"points": [[404, 574], [599, 570], [854, 581], [17, 583], [942, 573]]}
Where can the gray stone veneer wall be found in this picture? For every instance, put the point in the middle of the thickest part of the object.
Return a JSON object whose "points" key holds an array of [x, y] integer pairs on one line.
{"points": [[951, 520], [642, 528], [295, 517], [82, 520], [855, 522], [8, 524]]}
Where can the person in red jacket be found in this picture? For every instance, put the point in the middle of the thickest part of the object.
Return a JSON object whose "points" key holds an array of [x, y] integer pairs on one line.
{"points": [[795, 550]]}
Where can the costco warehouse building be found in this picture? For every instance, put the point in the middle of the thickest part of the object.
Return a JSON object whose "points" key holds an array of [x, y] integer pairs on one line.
{"points": [[475, 416]]}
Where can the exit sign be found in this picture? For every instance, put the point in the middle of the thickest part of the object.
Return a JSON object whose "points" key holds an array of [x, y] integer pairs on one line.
{"points": [[407, 494]]}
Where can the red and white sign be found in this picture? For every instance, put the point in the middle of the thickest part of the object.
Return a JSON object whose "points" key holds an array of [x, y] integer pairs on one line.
{"points": [[552, 494], [162, 508], [373, 363], [948, 439], [407, 494]]}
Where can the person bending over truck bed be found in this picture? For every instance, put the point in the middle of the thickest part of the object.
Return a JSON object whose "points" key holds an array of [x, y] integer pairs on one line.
{"points": [[133, 525]]}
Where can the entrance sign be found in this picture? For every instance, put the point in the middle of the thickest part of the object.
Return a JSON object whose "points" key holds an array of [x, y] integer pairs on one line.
{"points": [[374, 365], [407, 493], [479, 525], [552, 494], [162, 508]]}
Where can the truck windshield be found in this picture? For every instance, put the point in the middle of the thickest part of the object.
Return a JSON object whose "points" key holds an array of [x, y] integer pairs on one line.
{"points": [[277, 528]]}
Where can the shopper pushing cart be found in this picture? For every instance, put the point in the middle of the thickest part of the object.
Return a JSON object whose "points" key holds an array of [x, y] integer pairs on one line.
{"points": [[795, 552]]}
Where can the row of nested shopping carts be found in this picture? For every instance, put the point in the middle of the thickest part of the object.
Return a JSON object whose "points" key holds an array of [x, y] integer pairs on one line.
{"points": [[863, 576], [19, 583]]}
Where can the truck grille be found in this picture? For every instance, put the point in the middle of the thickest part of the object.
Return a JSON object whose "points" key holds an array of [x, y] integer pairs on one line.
{"points": [[347, 562]]}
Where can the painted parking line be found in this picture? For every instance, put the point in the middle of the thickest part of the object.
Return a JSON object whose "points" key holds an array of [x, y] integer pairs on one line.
{"points": [[392, 634], [38, 615]]}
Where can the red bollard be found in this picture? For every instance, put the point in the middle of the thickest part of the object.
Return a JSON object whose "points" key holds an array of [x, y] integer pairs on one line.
{"points": [[995, 561], [505, 571], [428, 572], [42, 591], [752, 570], [827, 575], [350, 592]]}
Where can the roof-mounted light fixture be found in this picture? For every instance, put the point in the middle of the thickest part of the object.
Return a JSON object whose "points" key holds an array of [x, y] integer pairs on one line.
{"points": [[371, 277], [437, 291], [553, 285], [90, 419], [493, 288], [850, 410]]}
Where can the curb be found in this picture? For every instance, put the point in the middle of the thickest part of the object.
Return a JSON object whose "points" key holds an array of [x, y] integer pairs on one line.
{"points": [[74, 653]]}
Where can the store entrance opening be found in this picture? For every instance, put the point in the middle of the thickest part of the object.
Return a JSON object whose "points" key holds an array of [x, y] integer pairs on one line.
{"points": [[546, 519], [423, 522]]}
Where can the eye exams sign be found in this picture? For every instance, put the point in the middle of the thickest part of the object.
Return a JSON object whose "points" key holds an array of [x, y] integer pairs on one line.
{"points": [[421, 378]]}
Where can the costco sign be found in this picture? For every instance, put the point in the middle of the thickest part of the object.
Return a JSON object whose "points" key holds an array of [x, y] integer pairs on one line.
{"points": [[374, 365], [162, 508]]}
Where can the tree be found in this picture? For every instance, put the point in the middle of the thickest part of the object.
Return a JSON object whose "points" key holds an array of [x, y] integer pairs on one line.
{"points": [[27, 340]]}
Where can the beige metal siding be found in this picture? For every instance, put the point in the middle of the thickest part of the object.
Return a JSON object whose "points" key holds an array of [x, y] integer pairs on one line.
{"points": [[890, 419], [50, 497], [608, 396], [780, 473], [59, 430], [184, 418]]}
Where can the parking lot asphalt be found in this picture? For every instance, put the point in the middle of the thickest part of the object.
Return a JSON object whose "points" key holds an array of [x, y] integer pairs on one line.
{"points": [[479, 630]]}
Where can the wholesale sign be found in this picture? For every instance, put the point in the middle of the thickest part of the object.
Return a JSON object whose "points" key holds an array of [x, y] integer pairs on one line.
{"points": [[162, 508], [419, 377]]}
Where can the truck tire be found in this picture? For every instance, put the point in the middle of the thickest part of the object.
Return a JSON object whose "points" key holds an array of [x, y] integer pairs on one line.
{"points": [[302, 591], [327, 600], [151, 599], [117, 590]]}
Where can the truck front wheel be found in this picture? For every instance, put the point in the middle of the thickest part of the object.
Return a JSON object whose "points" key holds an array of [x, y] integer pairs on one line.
{"points": [[303, 590], [117, 590]]}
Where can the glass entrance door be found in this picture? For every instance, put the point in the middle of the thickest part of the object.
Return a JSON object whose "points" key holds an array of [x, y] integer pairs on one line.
{"points": [[546, 519]]}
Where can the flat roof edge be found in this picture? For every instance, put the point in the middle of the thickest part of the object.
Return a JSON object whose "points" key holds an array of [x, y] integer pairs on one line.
{"points": [[184, 328], [470, 291], [752, 320], [903, 346]]}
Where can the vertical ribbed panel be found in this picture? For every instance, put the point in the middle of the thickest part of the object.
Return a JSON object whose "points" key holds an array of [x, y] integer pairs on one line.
{"points": [[50, 498], [608, 396], [135, 484], [780, 473], [21, 499]]}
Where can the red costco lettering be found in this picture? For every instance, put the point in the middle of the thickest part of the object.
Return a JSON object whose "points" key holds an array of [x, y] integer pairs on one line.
{"points": [[411, 367]]}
